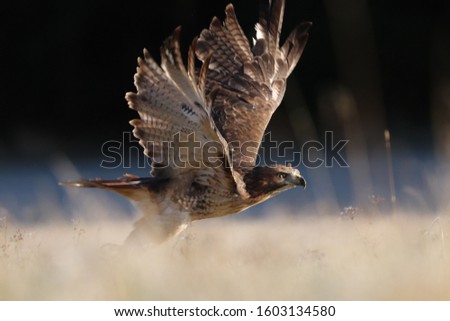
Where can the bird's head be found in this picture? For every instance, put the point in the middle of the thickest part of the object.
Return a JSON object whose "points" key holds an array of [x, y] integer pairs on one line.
{"points": [[271, 180]]}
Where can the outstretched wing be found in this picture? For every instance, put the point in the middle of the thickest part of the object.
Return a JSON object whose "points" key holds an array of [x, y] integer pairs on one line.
{"points": [[246, 84], [174, 124]]}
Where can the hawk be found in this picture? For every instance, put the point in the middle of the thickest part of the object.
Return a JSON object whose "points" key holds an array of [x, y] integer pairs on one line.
{"points": [[201, 125]]}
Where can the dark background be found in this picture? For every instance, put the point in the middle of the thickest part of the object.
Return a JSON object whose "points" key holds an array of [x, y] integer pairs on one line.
{"points": [[369, 65]]}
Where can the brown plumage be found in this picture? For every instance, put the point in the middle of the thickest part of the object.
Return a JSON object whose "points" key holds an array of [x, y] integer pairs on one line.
{"points": [[202, 128]]}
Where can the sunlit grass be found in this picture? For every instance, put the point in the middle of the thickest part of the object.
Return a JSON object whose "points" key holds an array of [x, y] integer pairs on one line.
{"points": [[285, 257]]}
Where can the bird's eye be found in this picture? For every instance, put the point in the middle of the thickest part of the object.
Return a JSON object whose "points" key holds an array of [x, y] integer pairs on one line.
{"points": [[282, 175]]}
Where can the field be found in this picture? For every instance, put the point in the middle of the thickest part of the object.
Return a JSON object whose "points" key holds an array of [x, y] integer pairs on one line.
{"points": [[282, 257]]}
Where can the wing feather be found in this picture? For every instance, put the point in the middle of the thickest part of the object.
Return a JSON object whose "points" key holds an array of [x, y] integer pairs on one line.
{"points": [[174, 113], [229, 100], [246, 84]]}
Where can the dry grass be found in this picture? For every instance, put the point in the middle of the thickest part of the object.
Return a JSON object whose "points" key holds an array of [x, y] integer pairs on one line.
{"points": [[404, 257]]}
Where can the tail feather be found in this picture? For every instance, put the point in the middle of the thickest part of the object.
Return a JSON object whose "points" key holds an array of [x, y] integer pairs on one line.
{"points": [[130, 186], [162, 218]]}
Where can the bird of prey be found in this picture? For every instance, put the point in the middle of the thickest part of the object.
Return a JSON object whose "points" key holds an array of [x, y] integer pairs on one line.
{"points": [[202, 126]]}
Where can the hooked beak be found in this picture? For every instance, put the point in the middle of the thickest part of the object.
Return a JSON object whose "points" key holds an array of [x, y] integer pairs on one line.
{"points": [[297, 180]]}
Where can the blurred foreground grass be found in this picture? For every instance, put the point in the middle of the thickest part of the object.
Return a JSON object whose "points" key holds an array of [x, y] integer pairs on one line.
{"points": [[401, 257]]}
